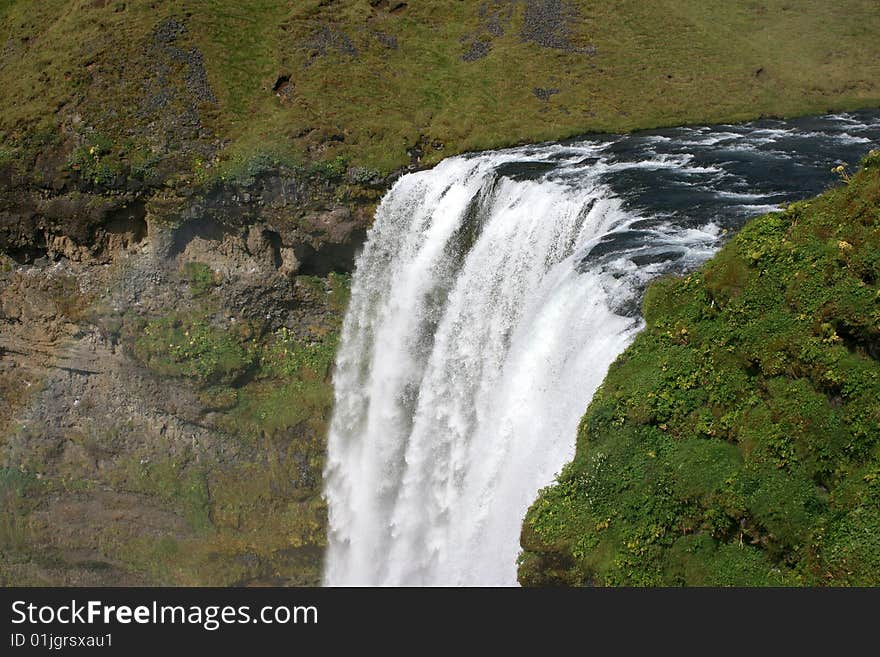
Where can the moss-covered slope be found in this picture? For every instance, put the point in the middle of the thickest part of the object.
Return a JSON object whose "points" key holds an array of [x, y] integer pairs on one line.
{"points": [[380, 82], [737, 441]]}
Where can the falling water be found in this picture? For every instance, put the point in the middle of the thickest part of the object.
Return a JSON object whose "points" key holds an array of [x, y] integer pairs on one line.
{"points": [[492, 295]]}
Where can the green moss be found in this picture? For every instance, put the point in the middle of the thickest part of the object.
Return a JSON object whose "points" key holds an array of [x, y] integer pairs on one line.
{"points": [[189, 345], [340, 291], [736, 441], [176, 482], [200, 278], [286, 357], [15, 483], [336, 287], [9, 159], [291, 387], [315, 284], [17, 499]]}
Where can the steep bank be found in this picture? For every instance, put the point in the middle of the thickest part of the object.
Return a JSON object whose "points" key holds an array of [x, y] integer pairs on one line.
{"points": [[735, 442], [493, 292]]}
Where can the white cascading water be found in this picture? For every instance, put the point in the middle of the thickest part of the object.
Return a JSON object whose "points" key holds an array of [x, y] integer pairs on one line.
{"points": [[481, 322], [463, 372]]}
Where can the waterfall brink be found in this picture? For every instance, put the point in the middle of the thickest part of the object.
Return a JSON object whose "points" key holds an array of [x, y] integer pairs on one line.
{"points": [[471, 348], [492, 295]]}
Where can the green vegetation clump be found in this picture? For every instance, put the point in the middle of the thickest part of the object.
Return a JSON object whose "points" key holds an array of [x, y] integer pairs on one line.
{"points": [[200, 278], [190, 345], [94, 161], [175, 482], [331, 170], [737, 441], [292, 386], [15, 504]]}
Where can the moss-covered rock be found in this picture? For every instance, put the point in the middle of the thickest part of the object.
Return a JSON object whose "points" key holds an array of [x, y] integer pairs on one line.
{"points": [[737, 441]]}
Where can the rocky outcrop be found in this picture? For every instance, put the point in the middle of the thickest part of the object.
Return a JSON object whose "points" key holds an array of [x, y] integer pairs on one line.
{"points": [[144, 337]]}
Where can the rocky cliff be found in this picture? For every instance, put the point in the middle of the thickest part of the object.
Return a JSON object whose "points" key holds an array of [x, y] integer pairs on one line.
{"points": [[165, 379]]}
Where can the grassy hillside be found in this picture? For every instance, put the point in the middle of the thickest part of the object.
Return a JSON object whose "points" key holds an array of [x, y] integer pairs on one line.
{"points": [[737, 441], [378, 82]]}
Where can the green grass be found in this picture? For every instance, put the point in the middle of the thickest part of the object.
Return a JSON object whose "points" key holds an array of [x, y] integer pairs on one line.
{"points": [[356, 99], [737, 441], [199, 276], [189, 345]]}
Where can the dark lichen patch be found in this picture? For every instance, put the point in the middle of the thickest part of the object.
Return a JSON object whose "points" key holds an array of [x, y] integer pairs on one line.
{"points": [[477, 50], [327, 39], [166, 52], [494, 19], [544, 94], [548, 24], [736, 441]]}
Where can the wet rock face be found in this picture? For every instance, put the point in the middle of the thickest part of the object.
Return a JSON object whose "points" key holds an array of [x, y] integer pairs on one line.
{"points": [[72, 225], [306, 227], [336, 237]]}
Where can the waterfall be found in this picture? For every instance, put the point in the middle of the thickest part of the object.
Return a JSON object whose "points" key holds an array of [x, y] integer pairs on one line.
{"points": [[492, 295], [472, 347]]}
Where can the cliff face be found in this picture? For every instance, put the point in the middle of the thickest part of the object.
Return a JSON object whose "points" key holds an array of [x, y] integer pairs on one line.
{"points": [[166, 383], [736, 441]]}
